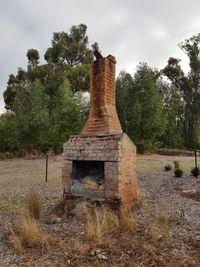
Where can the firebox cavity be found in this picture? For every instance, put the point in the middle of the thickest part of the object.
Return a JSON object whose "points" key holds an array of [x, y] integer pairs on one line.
{"points": [[88, 179]]}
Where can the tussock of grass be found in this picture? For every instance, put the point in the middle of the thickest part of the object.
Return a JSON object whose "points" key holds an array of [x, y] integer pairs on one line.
{"points": [[15, 240], [27, 233], [80, 247], [101, 222], [160, 224], [159, 232], [34, 204], [126, 220]]}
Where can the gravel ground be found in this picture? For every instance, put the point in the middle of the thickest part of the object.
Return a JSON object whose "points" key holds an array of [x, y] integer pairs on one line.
{"points": [[161, 195]]}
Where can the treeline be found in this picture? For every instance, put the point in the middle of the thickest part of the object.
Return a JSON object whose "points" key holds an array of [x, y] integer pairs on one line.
{"points": [[46, 103]]}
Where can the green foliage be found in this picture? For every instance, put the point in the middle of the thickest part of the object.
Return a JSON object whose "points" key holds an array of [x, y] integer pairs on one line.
{"points": [[31, 115], [67, 116], [46, 103], [8, 133], [78, 77], [188, 87], [174, 108], [176, 164], [68, 58], [33, 57], [70, 48], [178, 172], [195, 171], [140, 107], [168, 167]]}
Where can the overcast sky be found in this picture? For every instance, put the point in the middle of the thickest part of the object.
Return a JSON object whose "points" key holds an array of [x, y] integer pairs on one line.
{"points": [[132, 30]]}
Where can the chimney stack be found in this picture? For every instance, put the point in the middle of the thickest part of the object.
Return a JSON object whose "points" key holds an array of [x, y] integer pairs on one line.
{"points": [[103, 118]]}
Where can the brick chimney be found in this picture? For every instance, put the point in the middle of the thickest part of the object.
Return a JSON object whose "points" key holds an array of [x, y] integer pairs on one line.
{"points": [[100, 163], [103, 118]]}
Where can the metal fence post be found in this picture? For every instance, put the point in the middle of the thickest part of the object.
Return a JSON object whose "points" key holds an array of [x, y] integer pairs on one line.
{"points": [[195, 155], [46, 167]]}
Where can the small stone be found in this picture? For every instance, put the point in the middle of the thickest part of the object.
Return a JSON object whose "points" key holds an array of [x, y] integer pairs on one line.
{"points": [[189, 193], [54, 219], [58, 220], [98, 251], [102, 256], [101, 187], [81, 209], [91, 185], [93, 252]]}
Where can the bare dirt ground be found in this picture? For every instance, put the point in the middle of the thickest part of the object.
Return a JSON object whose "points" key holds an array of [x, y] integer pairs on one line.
{"points": [[168, 224]]}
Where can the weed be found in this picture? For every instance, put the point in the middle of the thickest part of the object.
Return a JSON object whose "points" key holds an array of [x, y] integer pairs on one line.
{"points": [[176, 164], [168, 167], [195, 171], [178, 172], [34, 204]]}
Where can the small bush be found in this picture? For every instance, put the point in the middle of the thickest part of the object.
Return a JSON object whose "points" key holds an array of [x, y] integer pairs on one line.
{"points": [[168, 167], [34, 204], [7, 155], [176, 164], [195, 171], [178, 172]]}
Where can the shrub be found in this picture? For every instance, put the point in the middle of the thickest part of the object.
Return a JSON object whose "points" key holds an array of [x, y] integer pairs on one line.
{"points": [[176, 164], [168, 167], [178, 172], [195, 171], [34, 204]]}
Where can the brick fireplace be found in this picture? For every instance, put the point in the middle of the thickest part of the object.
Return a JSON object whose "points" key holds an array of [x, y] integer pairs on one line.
{"points": [[100, 162]]}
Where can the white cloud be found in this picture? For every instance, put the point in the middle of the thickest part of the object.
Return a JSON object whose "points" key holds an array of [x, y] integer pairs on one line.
{"points": [[133, 31]]}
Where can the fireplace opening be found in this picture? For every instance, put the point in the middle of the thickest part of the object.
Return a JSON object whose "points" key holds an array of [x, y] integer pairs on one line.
{"points": [[88, 179]]}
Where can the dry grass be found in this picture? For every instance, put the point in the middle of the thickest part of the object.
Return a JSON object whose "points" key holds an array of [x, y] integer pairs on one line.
{"points": [[152, 163], [160, 224], [101, 222], [126, 220], [34, 204], [27, 233], [80, 247], [15, 240], [159, 232]]}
